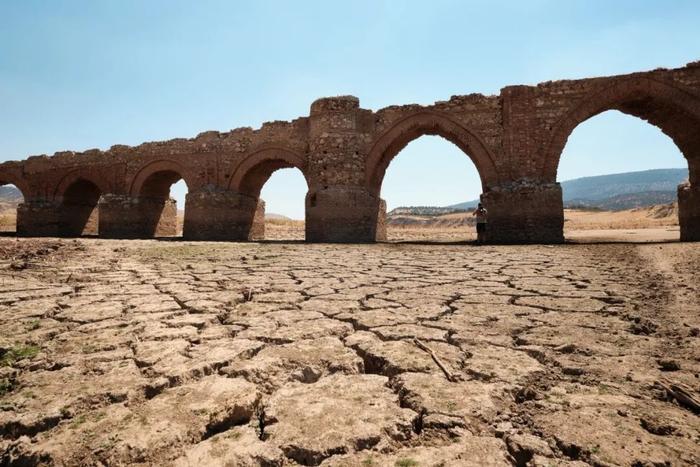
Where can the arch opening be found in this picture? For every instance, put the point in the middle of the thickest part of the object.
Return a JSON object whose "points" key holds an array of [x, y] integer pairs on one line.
{"points": [[283, 195], [11, 197], [158, 195], [79, 213], [431, 190], [619, 176], [428, 124], [287, 189]]}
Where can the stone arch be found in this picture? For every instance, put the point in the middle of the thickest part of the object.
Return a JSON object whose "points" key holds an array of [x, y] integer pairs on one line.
{"points": [[7, 178], [251, 174], [78, 195], [78, 176], [673, 110], [155, 178], [413, 126]]}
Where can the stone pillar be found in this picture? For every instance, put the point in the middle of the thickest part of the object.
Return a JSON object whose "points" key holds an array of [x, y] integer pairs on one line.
{"points": [[689, 212], [257, 230], [121, 216], [223, 215], [38, 218], [524, 213], [339, 208], [344, 215]]}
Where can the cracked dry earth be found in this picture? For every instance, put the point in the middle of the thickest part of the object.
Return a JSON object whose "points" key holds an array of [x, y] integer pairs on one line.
{"points": [[165, 353]]}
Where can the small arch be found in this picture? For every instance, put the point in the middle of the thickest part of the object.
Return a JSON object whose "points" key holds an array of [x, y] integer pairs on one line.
{"points": [[79, 214], [674, 111], [160, 175], [12, 196], [8, 178], [413, 126], [71, 178], [251, 174], [157, 211]]}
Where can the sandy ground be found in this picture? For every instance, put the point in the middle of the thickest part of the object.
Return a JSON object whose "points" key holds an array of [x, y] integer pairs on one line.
{"points": [[177, 353]]}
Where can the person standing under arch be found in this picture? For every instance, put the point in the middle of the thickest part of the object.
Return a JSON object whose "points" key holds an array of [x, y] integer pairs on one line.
{"points": [[480, 213]]}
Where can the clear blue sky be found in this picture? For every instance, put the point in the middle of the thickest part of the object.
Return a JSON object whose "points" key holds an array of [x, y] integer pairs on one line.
{"points": [[83, 74]]}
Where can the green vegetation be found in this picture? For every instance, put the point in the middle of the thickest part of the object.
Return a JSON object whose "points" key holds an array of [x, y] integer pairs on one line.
{"points": [[407, 462], [5, 386], [77, 421], [18, 353]]}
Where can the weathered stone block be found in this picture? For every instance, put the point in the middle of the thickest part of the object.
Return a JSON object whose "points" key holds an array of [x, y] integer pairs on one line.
{"points": [[122, 216], [344, 215], [689, 212], [525, 213], [223, 215]]}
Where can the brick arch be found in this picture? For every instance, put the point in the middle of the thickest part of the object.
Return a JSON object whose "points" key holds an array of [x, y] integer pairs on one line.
{"points": [[169, 172], [70, 179], [7, 178], [252, 173], [674, 111], [411, 127]]}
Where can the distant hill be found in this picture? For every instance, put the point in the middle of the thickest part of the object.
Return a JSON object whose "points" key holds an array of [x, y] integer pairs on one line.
{"points": [[276, 217], [428, 211], [607, 186], [617, 191]]}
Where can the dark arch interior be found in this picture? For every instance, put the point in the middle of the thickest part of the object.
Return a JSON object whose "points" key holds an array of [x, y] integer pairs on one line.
{"points": [[80, 215], [10, 198], [427, 176], [616, 208], [159, 212]]}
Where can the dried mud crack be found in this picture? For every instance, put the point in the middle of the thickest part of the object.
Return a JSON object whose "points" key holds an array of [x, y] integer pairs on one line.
{"points": [[155, 353]]}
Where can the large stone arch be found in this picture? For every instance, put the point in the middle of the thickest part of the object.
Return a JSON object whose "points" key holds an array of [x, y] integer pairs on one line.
{"points": [[674, 111], [257, 167], [413, 126], [170, 170]]}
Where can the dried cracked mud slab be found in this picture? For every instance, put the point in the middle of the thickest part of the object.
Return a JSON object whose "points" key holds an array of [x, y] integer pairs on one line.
{"points": [[160, 353]]}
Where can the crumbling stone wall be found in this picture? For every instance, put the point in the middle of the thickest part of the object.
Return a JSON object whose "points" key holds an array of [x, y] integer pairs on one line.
{"points": [[515, 140]]}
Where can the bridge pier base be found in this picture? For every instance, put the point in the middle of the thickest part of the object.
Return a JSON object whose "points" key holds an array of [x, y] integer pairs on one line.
{"points": [[345, 215], [689, 212], [38, 219], [524, 213], [224, 215], [122, 216]]}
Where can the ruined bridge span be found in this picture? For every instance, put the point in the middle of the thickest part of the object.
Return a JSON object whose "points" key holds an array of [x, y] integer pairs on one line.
{"points": [[515, 140]]}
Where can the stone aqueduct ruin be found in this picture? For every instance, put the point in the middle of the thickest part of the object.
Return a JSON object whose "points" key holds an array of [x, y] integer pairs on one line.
{"points": [[515, 140]]}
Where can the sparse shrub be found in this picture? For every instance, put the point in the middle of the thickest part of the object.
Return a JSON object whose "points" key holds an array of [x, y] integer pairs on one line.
{"points": [[5, 386], [14, 354]]}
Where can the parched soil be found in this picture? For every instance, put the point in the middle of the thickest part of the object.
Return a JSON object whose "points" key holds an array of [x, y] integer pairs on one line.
{"points": [[278, 354]]}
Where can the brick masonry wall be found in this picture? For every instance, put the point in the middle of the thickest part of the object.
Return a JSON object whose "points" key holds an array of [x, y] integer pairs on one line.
{"points": [[515, 140]]}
